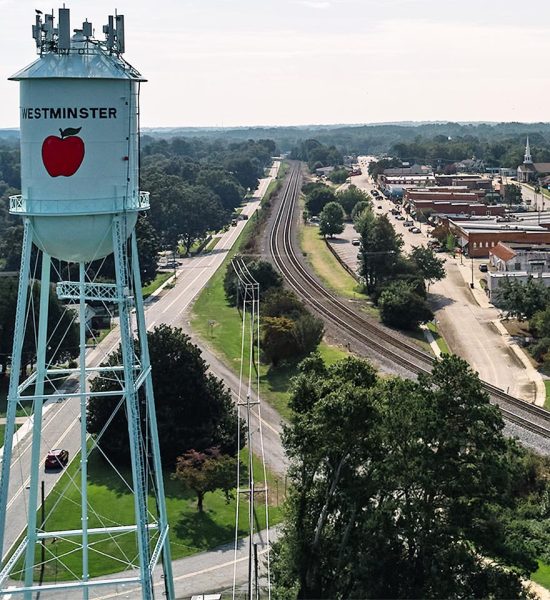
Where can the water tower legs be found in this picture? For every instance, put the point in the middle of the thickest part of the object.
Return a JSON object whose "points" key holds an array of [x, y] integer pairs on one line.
{"points": [[134, 371]]}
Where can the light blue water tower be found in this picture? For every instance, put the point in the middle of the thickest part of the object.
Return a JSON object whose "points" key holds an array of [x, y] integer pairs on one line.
{"points": [[80, 200]]}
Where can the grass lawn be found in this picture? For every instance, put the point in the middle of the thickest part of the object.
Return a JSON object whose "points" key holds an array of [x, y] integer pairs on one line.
{"points": [[224, 337], [113, 504], [542, 575], [325, 264], [439, 339], [156, 283], [547, 401]]}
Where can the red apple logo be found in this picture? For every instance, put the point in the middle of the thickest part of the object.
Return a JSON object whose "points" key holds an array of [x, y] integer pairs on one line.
{"points": [[63, 155]]}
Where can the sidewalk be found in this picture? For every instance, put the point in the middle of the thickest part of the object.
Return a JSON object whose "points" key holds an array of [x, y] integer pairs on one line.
{"points": [[479, 295]]}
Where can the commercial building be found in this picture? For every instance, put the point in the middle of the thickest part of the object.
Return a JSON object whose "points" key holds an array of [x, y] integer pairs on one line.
{"points": [[477, 238], [449, 208], [511, 257]]}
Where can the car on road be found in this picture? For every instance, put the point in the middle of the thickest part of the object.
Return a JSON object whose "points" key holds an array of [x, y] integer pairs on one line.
{"points": [[415, 230], [356, 242], [408, 223], [399, 218], [483, 267], [56, 459]]}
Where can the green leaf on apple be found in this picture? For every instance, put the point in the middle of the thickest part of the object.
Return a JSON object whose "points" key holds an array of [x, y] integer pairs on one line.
{"points": [[69, 131]]}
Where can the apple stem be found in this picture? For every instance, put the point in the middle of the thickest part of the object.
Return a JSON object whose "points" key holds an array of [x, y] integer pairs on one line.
{"points": [[61, 132]]}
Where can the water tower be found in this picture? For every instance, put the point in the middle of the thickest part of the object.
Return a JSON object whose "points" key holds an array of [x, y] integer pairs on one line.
{"points": [[80, 200]]}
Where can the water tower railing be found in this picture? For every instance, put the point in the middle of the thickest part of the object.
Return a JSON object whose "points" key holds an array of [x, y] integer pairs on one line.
{"points": [[56, 207]]}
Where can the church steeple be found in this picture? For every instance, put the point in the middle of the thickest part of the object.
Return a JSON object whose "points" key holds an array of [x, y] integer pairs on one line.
{"points": [[527, 160]]}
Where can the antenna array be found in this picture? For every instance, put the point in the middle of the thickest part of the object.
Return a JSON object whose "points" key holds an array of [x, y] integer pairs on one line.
{"points": [[49, 38]]}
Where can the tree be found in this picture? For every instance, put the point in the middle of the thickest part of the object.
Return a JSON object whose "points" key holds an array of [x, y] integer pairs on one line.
{"points": [[280, 302], [338, 175], [351, 196], [278, 342], [245, 170], [380, 249], [62, 333], [521, 300], [206, 471], [318, 198], [359, 208], [225, 186], [331, 220], [261, 270], [148, 243], [398, 488], [431, 267], [401, 307], [512, 194], [307, 332], [194, 408]]}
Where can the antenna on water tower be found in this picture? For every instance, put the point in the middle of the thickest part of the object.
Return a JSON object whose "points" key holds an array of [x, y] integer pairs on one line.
{"points": [[80, 202]]}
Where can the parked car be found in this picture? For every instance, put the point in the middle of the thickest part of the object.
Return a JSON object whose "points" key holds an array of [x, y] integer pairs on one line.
{"points": [[314, 220], [408, 223], [356, 242], [483, 267], [56, 459], [399, 218], [234, 223], [379, 207], [415, 230]]}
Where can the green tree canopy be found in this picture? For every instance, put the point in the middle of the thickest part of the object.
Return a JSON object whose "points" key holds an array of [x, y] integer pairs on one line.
{"points": [[194, 408], [261, 271], [400, 488], [431, 268], [521, 300], [380, 249], [350, 197], [400, 306], [318, 198], [331, 219]]}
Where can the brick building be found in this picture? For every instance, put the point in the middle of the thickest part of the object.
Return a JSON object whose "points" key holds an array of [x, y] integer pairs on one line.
{"points": [[447, 193], [443, 207], [476, 238]]}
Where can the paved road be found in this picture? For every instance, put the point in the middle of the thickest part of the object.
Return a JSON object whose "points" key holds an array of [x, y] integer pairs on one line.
{"points": [[61, 426], [466, 326]]}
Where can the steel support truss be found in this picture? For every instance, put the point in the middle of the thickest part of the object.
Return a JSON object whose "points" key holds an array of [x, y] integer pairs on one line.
{"points": [[134, 373]]}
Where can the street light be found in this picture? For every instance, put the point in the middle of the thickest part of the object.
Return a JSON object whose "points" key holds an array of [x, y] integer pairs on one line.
{"points": [[472, 283]]}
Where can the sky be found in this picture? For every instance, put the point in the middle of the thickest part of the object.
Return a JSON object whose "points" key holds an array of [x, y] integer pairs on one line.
{"points": [[229, 63]]}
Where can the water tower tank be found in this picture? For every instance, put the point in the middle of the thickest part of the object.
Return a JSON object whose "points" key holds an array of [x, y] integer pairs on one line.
{"points": [[79, 107]]}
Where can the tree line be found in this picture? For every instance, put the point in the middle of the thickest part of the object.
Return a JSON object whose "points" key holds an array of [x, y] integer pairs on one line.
{"points": [[406, 489]]}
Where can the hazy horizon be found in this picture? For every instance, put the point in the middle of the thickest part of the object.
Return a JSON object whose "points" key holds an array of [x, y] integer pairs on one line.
{"points": [[242, 63]]}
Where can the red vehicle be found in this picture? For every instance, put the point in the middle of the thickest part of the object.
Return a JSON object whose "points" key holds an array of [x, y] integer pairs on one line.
{"points": [[56, 459]]}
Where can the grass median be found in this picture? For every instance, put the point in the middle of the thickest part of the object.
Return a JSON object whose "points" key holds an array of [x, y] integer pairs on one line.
{"points": [[325, 264]]}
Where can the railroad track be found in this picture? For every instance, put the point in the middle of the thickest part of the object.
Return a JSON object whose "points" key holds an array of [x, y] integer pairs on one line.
{"points": [[391, 346]]}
